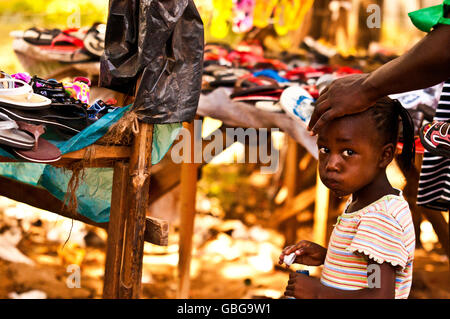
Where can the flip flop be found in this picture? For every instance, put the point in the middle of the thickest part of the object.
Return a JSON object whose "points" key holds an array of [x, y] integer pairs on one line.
{"points": [[94, 41], [262, 12], [227, 77], [305, 6], [285, 15], [39, 36], [250, 84], [58, 94], [65, 39], [17, 94], [70, 125], [11, 135], [43, 151], [100, 108], [269, 106], [78, 89], [220, 22], [24, 76], [243, 15], [255, 97]]}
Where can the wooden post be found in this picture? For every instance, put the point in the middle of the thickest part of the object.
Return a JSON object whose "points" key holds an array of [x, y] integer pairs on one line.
{"points": [[139, 179], [187, 212], [114, 249], [290, 179], [321, 212]]}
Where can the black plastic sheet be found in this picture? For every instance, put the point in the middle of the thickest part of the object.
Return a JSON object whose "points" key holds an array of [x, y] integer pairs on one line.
{"points": [[163, 40]]}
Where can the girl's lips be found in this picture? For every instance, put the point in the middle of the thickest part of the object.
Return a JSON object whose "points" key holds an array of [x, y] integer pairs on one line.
{"points": [[331, 183]]}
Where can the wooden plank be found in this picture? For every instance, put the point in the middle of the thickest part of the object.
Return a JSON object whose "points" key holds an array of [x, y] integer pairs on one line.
{"points": [[157, 231], [100, 152], [187, 213], [100, 156], [298, 204], [117, 218], [42, 199], [138, 194], [290, 180]]}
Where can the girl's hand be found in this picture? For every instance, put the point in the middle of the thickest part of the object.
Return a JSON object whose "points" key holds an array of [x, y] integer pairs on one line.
{"points": [[308, 253], [301, 286]]}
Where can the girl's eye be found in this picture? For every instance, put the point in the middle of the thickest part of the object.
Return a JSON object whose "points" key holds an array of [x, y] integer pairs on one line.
{"points": [[323, 150], [348, 153]]}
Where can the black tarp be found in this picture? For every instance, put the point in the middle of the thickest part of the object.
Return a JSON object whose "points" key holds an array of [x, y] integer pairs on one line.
{"points": [[163, 40]]}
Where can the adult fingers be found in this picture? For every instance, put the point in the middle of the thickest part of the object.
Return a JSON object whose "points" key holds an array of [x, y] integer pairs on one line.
{"points": [[326, 89], [326, 117], [323, 96], [319, 110]]}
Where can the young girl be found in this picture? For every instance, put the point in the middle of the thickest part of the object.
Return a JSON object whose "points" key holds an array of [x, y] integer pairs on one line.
{"points": [[370, 252]]}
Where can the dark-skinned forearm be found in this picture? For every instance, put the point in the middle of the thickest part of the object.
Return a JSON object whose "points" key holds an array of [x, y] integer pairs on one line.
{"points": [[326, 292], [425, 65]]}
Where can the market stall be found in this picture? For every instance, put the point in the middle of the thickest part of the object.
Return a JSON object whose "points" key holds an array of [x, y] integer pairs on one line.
{"points": [[156, 88]]}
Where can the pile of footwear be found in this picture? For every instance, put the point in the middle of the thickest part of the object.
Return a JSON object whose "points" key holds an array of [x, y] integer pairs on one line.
{"points": [[289, 84], [31, 105], [74, 45]]}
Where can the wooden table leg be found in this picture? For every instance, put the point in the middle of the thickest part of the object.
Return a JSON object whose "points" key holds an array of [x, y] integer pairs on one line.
{"points": [[139, 183], [290, 181], [114, 249], [187, 213], [321, 213]]}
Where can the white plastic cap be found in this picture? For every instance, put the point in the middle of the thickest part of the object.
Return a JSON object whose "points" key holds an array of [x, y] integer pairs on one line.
{"points": [[289, 259]]}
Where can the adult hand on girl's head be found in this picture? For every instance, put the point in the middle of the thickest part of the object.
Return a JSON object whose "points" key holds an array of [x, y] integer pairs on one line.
{"points": [[308, 253], [348, 95], [301, 286]]}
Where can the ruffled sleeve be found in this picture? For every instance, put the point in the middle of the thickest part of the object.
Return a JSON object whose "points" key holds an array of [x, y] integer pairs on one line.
{"points": [[380, 237]]}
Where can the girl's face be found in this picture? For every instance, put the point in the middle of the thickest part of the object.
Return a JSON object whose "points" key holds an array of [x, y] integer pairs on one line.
{"points": [[350, 154]]}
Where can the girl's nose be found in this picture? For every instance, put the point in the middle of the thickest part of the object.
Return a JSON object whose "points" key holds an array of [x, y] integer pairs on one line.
{"points": [[333, 163]]}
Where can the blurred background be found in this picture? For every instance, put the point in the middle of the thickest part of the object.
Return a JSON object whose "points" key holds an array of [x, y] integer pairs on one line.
{"points": [[236, 244]]}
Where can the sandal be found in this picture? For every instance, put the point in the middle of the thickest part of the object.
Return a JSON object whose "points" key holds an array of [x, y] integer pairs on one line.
{"points": [[243, 15], [94, 41], [221, 15], [70, 124], [43, 151], [15, 93], [11, 135], [249, 84], [263, 11], [100, 108], [57, 93], [49, 88], [78, 89], [65, 39], [39, 36]]}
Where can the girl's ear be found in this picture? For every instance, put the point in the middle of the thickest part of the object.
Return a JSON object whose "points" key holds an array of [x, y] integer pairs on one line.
{"points": [[387, 155]]}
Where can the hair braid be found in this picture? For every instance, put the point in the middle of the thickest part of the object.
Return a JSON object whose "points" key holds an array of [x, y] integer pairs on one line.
{"points": [[386, 114]]}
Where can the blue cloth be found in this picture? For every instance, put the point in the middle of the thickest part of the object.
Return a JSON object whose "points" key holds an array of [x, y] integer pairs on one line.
{"points": [[94, 193]]}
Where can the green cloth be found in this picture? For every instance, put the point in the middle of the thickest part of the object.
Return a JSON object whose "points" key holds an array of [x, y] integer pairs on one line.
{"points": [[426, 19], [94, 193]]}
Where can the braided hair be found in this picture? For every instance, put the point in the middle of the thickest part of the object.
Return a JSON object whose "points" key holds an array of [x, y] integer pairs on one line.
{"points": [[386, 114]]}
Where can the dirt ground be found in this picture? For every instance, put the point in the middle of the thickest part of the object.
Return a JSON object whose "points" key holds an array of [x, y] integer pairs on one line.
{"points": [[230, 260]]}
